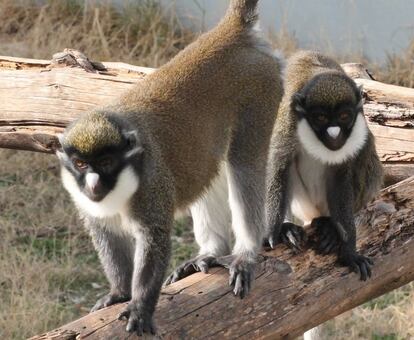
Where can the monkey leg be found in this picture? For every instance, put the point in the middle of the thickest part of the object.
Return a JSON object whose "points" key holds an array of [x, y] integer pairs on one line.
{"points": [[246, 198], [211, 220], [116, 255], [151, 257]]}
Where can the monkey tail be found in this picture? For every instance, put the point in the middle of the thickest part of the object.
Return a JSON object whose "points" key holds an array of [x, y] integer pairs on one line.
{"points": [[245, 10]]}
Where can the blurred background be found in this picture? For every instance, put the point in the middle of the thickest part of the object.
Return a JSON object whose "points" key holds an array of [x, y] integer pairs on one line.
{"points": [[49, 272]]}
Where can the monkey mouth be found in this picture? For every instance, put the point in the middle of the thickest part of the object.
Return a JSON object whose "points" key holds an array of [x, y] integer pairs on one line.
{"points": [[334, 144], [95, 196]]}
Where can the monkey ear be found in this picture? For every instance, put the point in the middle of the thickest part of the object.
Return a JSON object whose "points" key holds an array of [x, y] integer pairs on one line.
{"points": [[360, 96], [59, 149], [134, 145], [298, 103]]}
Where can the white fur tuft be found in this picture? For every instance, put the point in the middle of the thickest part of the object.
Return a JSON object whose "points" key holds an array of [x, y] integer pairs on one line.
{"points": [[333, 131], [115, 202], [318, 150], [212, 218], [92, 179]]}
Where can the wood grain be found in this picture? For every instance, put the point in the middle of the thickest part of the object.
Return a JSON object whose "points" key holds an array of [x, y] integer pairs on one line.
{"points": [[291, 293]]}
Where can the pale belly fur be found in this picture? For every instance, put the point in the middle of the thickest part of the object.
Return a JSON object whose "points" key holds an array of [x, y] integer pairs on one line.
{"points": [[307, 183]]}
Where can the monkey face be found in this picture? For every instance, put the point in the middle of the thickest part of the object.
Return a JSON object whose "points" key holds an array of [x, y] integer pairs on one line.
{"points": [[331, 125], [96, 175], [104, 178]]}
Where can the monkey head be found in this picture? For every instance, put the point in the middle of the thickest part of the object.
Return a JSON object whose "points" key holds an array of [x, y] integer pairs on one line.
{"points": [[329, 111], [97, 158]]}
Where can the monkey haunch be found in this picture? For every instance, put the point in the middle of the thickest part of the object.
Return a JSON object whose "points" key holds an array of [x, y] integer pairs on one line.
{"points": [[129, 167], [323, 163]]}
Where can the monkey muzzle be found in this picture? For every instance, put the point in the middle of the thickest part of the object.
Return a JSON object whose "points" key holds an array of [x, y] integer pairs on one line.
{"points": [[334, 138], [94, 188]]}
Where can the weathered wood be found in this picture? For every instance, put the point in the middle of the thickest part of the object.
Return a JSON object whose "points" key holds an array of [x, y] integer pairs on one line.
{"points": [[291, 294], [38, 100]]}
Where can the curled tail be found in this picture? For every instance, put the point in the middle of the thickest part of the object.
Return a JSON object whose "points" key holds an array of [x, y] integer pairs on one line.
{"points": [[244, 10]]}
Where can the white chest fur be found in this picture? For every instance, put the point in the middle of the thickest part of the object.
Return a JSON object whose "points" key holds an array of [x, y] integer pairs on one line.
{"points": [[114, 203], [308, 187]]}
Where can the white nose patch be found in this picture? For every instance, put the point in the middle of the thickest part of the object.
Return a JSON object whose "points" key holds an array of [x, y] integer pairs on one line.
{"points": [[334, 131], [92, 180]]}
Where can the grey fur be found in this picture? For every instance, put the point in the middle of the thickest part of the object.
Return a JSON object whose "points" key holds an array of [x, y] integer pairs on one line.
{"points": [[349, 185]]}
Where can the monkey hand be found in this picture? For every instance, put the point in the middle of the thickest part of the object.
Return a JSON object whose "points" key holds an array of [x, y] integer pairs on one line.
{"points": [[138, 319], [109, 300], [200, 263], [357, 263], [327, 236], [289, 234], [241, 270]]}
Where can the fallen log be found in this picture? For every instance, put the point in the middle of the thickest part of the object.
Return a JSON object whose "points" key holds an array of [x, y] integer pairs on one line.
{"points": [[39, 100], [292, 293]]}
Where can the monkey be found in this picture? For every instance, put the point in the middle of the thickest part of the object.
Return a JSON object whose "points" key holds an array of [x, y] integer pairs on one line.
{"points": [[159, 148], [323, 165]]}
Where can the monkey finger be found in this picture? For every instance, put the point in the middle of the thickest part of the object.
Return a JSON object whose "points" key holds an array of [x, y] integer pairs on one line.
{"points": [[238, 286], [124, 315], [363, 271], [272, 242], [354, 267], [370, 261], [331, 246], [291, 242], [369, 271], [203, 266], [232, 276]]}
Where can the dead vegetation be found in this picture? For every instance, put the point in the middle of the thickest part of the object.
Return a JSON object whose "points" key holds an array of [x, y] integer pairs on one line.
{"points": [[48, 265]]}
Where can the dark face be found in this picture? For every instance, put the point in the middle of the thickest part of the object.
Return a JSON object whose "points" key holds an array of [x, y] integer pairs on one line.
{"points": [[332, 125], [95, 174], [332, 118]]}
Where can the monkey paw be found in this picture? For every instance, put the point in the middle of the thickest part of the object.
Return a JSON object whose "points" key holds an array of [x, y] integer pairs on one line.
{"points": [[328, 238], [109, 300], [138, 320], [241, 270], [290, 234], [293, 236], [357, 263], [200, 263]]}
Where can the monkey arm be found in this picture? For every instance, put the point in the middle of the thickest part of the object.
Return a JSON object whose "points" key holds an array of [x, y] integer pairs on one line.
{"points": [[341, 201], [152, 253], [116, 254], [282, 151]]}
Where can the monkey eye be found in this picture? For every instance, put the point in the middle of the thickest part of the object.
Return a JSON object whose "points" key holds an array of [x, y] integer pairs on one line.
{"points": [[344, 116], [80, 164], [105, 162], [322, 118]]}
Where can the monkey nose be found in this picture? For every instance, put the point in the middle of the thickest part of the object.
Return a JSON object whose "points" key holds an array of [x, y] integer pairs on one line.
{"points": [[334, 131], [92, 180]]}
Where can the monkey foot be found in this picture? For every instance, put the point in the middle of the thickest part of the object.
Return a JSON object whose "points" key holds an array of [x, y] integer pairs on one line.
{"points": [[139, 321], [357, 263], [293, 236], [200, 263], [328, 239], [241, 270], [290, 234], [109, 300]]}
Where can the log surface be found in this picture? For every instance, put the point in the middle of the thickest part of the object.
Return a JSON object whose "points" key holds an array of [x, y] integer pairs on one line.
{"points": [[39, 100], [291, 293]]}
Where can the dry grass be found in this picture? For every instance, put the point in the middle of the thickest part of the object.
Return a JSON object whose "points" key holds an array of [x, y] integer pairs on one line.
{"points": [[48, 266], [139, 31]]}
